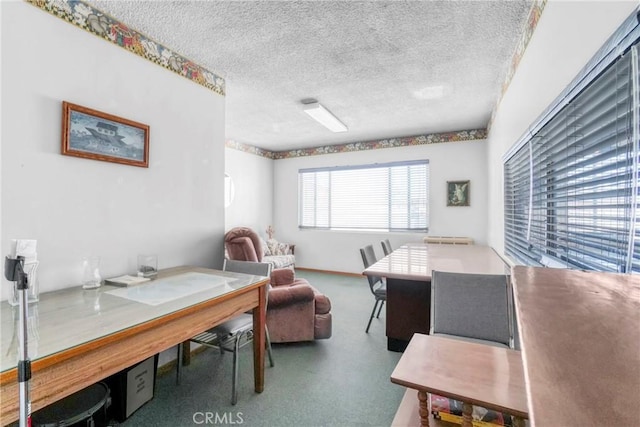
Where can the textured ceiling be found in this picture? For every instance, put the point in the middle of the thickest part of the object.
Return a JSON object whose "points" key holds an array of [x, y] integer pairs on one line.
{"points": [[374, 64]]}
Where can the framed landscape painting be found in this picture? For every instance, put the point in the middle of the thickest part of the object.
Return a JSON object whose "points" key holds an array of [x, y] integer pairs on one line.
{"points": [[457, 193], [92, 134]]}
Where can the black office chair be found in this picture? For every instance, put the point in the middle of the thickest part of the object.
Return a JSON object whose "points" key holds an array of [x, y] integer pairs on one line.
{"points": [[472, 307], [376, 284], [386, 247], [237, 332]]}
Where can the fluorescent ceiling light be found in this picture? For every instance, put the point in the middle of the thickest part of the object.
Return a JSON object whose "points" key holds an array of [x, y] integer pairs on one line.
{"points": [[324, 117]]}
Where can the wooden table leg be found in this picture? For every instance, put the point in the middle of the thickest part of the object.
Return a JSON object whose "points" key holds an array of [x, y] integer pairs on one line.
{"points": [[186, 353], [259, 319], [423, 410], [467, 414]]}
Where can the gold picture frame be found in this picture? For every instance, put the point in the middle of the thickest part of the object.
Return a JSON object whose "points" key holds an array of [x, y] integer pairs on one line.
{"points": [[92, 134]]}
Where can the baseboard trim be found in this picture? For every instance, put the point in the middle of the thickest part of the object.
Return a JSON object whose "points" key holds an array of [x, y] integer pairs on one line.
{"points": [[340, 273], [171, 366]]}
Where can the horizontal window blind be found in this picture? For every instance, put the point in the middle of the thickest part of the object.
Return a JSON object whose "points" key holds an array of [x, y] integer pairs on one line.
{"points": [[517, 204], [571, 186], [390, 196]]}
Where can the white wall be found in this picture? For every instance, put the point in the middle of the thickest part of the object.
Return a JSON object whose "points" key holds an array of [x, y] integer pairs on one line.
{"points": [[566, 37], [339, 251], [252, 177], [75, 207]]}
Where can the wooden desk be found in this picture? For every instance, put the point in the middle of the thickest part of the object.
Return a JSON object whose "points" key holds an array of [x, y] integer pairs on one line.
{"points": [[78, 337], [580, 338], [408, 276], [475, 374]]}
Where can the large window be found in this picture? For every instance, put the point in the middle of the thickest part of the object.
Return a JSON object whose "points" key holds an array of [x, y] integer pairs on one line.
{"points": [[385, 197], [571, 185]]}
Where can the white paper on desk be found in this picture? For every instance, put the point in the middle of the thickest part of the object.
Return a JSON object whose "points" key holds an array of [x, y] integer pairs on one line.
{"points": [[172, 288]]}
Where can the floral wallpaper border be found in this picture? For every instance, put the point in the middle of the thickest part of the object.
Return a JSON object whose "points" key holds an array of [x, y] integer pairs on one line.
{"points": [[532, 21], [104, 26], [435, 138], [530, 26], [94, 21], [249, 149]]}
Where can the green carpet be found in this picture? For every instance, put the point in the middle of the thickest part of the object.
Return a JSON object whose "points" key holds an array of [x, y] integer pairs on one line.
{"points": [[342, 381]]}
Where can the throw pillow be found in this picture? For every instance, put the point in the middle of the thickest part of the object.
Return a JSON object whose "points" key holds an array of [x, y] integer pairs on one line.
{"points": [[282, 249], [272, 245], [277, 248], [265, 247]]}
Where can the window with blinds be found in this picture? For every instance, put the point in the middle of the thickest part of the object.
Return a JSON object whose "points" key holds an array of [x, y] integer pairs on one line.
{"points": [[571, 185], [383, 197]]}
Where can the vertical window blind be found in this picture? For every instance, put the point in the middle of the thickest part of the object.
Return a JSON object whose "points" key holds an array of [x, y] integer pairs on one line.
{"points": [[571, 184], [390, 196]]}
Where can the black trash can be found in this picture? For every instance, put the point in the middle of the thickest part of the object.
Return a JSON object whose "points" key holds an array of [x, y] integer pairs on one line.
{"points": [[87, 407]]}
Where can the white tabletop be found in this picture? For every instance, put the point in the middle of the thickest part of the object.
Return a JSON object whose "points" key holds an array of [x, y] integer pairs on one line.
{"points": [[416, 261], [73, 316]]}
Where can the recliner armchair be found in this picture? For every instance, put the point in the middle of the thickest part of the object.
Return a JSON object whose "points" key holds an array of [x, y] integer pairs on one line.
{"points": [[244, 244], [296, 311]]}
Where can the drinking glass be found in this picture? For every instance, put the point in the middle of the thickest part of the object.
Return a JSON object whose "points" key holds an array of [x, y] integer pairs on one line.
{"points": [[147, 265], [91, 278]]}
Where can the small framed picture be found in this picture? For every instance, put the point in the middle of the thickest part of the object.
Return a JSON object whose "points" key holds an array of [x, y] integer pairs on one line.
{"points": [[458, 193], [92, 134]]}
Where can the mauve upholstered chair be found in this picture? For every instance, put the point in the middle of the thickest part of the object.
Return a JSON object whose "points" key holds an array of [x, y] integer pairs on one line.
{"points": [[244, 244], [296, 311]]}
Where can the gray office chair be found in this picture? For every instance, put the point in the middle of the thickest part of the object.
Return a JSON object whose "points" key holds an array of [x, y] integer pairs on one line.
{"points": [[235, 333], [386, 247], [376, 284], [473, 307]]}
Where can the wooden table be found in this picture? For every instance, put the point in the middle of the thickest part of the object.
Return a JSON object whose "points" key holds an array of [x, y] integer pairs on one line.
{"points": [[475, 374], [408, 275], [78, 337], [580, 338]]}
